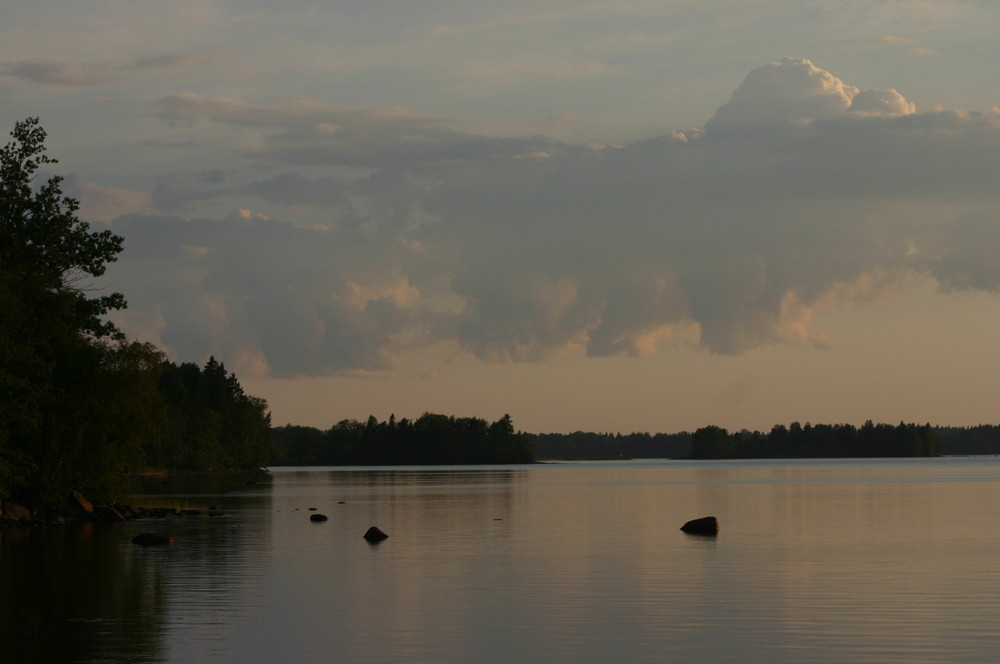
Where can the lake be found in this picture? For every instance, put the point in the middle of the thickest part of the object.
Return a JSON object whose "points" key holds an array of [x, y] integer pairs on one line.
{"points": [[816, 561]]}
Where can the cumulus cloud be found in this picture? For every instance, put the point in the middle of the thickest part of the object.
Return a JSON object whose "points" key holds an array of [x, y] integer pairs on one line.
{"points": [[802, 189], [795, 92], [881, 102], [304, 301]]}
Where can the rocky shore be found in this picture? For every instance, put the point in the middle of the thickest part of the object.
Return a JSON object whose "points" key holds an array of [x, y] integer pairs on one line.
{"points": [[77, 509]]}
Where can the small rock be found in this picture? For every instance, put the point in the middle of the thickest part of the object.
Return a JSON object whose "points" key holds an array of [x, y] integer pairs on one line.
{"points": [[317, 517], [707, 525], [375, 535]]}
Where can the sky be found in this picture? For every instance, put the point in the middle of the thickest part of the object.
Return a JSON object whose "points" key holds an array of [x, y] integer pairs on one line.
{"points": [[604, 216]]}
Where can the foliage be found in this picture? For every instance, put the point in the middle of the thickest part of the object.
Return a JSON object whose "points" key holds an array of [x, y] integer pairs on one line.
{"points": [[588, 445], [820, 441], [44, 247], [980, 439], [211, 422], [79, 405], [430, 439], [55, 348]]}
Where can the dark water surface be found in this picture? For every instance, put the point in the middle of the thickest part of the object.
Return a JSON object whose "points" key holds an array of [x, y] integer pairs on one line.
{"points": [[816, 561]]}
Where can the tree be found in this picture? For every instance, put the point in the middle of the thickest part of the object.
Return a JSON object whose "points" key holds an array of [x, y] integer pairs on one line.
{"points": [[53, 339], [44, 247], [712, 442], [212, 423]]}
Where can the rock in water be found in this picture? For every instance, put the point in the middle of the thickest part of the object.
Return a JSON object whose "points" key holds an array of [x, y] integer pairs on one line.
{"points": [[375, 535], [707, 525], [152, 539], [317, 517]]}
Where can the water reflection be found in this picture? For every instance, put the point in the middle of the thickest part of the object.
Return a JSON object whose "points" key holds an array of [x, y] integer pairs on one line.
{"points": [[815, 562], [77, 594], [85, 593]]}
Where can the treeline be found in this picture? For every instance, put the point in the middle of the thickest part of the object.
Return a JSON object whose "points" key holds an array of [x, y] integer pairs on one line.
{"points": [[124, 408], [587, 445], [792, 441], [981, 439], [81, 406], [430, 439], [817, 441], [209, 422]]}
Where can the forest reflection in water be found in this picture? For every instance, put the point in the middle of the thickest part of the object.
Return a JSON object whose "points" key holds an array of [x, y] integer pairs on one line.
{"points": [[817, 561]]}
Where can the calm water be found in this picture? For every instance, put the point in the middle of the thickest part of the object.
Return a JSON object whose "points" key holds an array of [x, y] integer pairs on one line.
{"points": [[818, 561]]}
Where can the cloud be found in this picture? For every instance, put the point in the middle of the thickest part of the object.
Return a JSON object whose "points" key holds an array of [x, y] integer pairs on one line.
{"points": [[795, 92], [105, 204], [919, 51], [897, 41], [881, 102], [307, 301], [100, 203], [801, 190], [298, 114], [50, 72], [175, 60], [67, 74], [968, 260], [293, 189], [303, 131]]}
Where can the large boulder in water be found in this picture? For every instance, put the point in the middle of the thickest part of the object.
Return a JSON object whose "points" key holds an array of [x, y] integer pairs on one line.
{"points": [[375, 535], [707, 525], [317, 518]]}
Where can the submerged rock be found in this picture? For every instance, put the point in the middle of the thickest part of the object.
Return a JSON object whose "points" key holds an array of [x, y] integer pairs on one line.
{"points": [[707, 525], [375, 535], [152, 539]]}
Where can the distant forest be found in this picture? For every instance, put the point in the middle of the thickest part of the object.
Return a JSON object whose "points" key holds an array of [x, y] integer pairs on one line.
{"points": [[441, 439], [430, 439], [793, 441]]}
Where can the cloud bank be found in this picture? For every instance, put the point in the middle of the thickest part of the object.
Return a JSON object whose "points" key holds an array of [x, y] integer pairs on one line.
{"points": [[801, 190]]}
